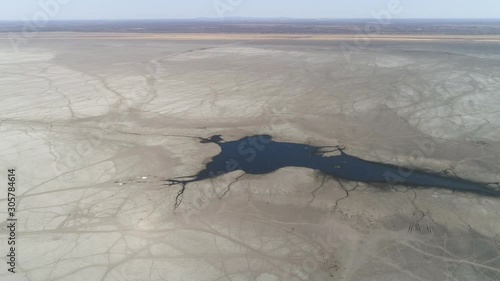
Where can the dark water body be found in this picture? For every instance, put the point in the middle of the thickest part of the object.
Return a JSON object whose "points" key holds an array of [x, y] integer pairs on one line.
{"points": [[261, 155]]}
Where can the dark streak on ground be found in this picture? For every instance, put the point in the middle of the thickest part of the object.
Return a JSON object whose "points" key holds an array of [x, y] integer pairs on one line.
{"points": [[261, 155]]}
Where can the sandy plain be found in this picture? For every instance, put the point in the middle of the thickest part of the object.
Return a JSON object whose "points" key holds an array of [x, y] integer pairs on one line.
{"points": [[94, 124]]}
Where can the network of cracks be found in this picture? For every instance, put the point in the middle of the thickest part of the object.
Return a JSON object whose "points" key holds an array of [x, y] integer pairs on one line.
{"points": [[260, 154]]}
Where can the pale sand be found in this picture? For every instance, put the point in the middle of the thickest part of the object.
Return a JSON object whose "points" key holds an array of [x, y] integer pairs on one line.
{"points": [[95, 122]]}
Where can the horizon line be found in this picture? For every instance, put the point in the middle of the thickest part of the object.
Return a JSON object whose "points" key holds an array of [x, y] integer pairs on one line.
{"points": [[242, 18]]}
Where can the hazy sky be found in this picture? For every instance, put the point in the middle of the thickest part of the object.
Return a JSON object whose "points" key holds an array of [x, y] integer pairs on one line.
{"points": [[162, 9]]}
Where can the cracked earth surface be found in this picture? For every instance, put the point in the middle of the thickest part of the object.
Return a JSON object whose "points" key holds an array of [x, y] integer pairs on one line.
{"points": [[95, 127]]}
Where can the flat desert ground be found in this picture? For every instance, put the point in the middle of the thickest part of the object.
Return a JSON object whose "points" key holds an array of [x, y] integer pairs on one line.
{"points": [[96, 123]]}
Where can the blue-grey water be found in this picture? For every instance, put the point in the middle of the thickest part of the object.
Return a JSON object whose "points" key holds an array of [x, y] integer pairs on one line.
{"points": [[261, 155]]}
